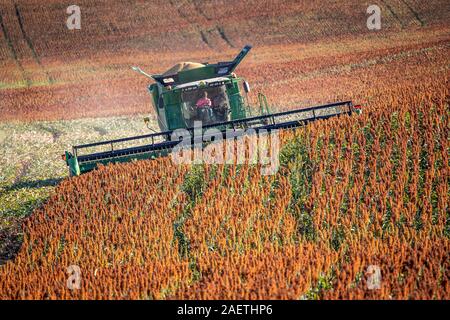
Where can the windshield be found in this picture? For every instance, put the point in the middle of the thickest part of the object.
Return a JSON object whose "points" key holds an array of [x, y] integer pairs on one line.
{"points": [[208, 105]]}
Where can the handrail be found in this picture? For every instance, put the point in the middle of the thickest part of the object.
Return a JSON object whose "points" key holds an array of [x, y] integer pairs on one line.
{"points": [[263, 104], [233, 123]]}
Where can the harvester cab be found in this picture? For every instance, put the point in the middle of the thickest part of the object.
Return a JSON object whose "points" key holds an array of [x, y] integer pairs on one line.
{"points": [[176, 93], [190, 93]]}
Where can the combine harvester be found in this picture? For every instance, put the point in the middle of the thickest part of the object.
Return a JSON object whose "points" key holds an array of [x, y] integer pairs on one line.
{"points": [[175, 95]]}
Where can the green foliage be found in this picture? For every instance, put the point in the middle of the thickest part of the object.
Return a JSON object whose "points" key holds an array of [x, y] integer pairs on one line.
{"points": [[337, 237], [386, 223], [447, 225], [295, 158], [194, 182], [324, 283], [306, 227]]}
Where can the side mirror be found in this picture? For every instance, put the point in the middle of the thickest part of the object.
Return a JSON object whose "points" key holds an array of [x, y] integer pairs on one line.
{"points": [[246, 87]]}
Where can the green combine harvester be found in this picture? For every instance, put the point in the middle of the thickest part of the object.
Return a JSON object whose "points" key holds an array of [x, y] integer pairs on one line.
{"points": [[190, 93]]}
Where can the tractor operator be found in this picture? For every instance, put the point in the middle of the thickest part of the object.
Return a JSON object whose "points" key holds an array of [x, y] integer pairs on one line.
{"points": [[204, 105], [204, 102]]}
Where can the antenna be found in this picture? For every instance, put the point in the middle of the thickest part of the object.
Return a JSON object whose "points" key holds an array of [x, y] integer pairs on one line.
{"points": [[139, 70]]}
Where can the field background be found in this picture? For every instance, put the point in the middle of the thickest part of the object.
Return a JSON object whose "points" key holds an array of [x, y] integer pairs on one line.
{"points": [[59, 87], [49, 72]]}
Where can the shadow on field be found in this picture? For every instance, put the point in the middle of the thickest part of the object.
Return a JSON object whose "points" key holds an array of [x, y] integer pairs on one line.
{"points": [[10, 242], [31, 184], [11, 236]]}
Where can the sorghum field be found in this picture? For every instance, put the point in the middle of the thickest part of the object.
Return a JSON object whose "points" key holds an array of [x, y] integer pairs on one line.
{"points": [[351, 192]]}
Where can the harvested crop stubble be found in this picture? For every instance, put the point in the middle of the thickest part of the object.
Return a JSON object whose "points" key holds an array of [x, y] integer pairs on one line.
{"points": [[351, 192]]}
